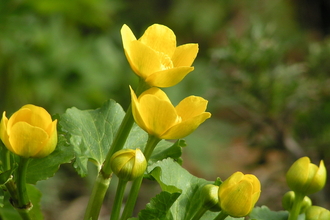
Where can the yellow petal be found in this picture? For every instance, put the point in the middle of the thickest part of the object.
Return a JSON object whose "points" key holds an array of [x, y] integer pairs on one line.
{"points": [[156, 92], [3, 131], [231, 182], [33, 115], [238, 200], [298, 173], [158, 115], [160, 38], [143, 60], [185, 55], [27, 140], [169, 77], [127, 35], [191, 107], [186, 127], [136, 111], [51, 143], [318, 180]]}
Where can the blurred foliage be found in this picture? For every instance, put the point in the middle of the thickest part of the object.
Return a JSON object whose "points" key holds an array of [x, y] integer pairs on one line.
{"points": [[257, 65]]}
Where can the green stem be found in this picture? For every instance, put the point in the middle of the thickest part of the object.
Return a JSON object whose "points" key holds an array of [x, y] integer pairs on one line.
{"points": [[222, 215], [118, 199], [97, 196], [294, 212], [14, 199], [199, 213], [19, 196], [104, 176], [23, 198], [134, 192]]}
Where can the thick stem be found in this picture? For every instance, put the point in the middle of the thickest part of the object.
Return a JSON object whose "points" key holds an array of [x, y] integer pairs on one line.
{"points": [[104, 176], [134, 192], [97, 196], [294, 212], [222, 215], [23, 198], [118, 199], [199, 213]]}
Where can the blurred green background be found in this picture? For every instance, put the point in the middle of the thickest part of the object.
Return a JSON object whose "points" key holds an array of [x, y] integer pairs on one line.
{"points": [[262, 65]]}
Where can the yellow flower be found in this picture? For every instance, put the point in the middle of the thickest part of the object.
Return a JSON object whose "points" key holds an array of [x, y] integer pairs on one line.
{"points": [[156, 58], [128, 164], [154, 113], [238, 194], [29, 132], [305, 177]]}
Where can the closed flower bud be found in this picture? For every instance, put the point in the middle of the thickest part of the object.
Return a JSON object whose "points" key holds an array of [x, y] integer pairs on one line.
{"points": [[306, 178], [209, 195], [288, 199], [29, 132], [128, 164], [238, 194], [317, 213]]}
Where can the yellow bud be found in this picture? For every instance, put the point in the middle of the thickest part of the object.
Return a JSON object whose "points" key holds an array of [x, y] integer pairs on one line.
{"points": [[305, 177], [128, 164], [238, 194], [29, 132], [317, 213], [288, 199], [209, 195]]}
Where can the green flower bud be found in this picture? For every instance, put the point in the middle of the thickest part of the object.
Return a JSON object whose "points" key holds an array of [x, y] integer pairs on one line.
{"points": [[288, 199], [305, 177], [317, 213], [209, 194], [128, 164], [238, 194]]}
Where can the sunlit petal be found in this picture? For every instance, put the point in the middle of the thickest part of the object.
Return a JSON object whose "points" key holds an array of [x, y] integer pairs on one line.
{"points": [[168, 78], [158, 115], [143, 60], [185, 127], [127, 35], [191, 107], [26, 139], [160, 38], [185, 55]]}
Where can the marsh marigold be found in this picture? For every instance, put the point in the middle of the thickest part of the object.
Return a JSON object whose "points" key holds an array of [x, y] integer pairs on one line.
{"points": [[238, 194], [155, 57], [29, 132], [154, 113], [305, 177]]}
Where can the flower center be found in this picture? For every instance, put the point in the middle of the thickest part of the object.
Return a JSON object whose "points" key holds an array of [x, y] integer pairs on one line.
{"points": [[165, 61]]}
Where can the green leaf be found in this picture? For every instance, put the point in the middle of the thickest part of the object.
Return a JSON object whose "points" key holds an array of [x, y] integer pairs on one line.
{"points": [[35, 197], [173, 178], [8, 212], [43, 168], [264, 213], [92, 132], [165, 150], [159, 206]]}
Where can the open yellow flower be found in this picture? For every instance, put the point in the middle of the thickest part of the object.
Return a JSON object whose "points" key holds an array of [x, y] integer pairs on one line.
{"points": [[238, 194], [29, 132], [154, 113], [156, 58]]}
